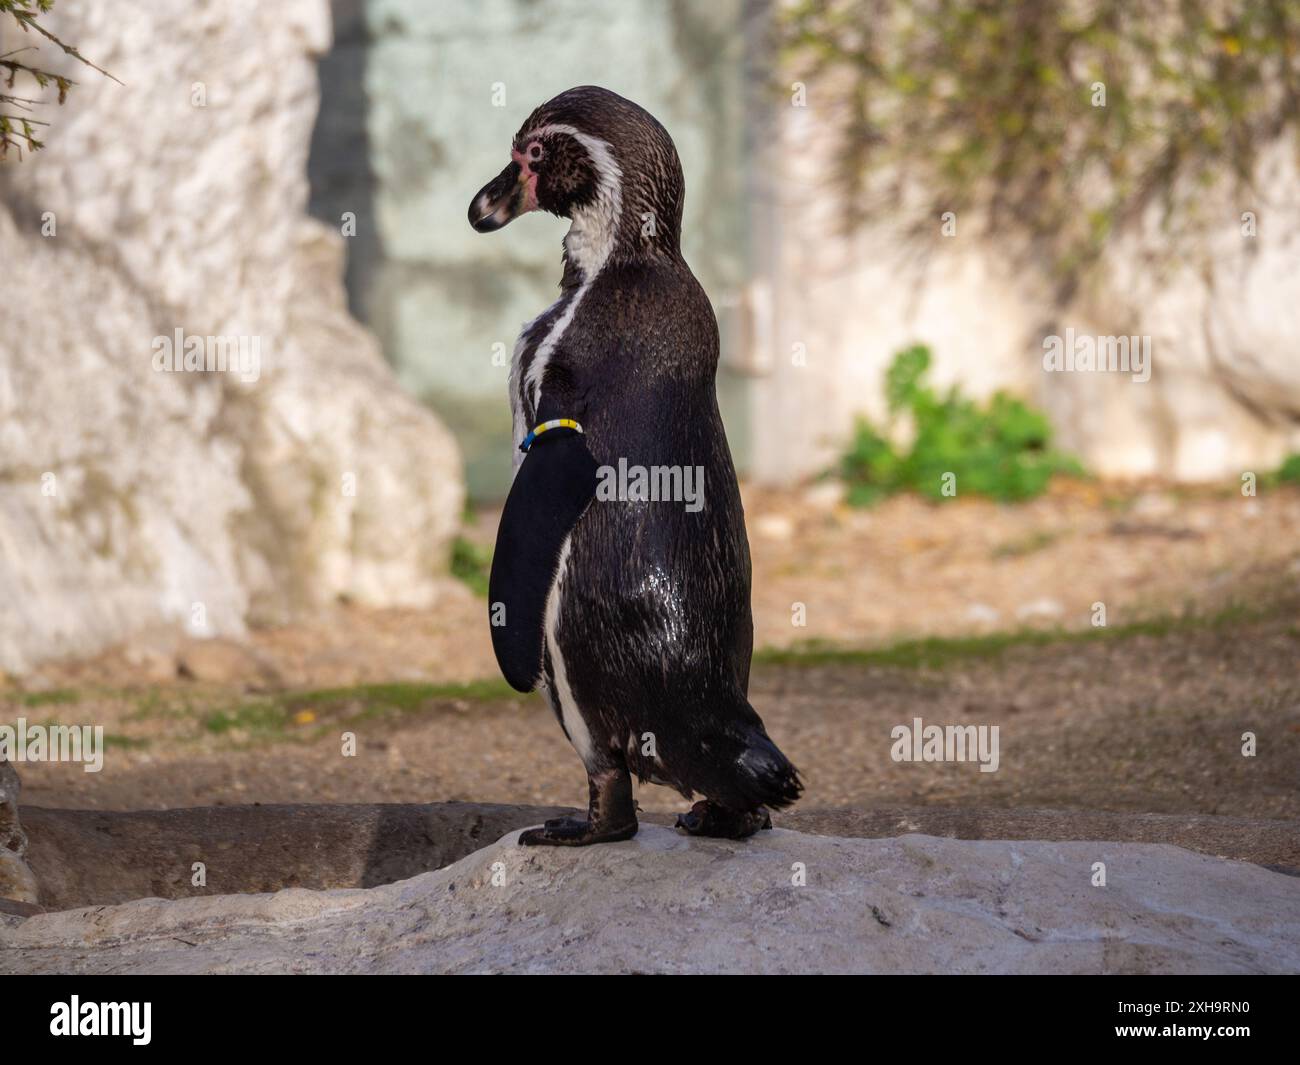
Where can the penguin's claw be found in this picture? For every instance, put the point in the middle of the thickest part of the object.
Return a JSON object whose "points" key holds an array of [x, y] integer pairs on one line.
{"points": [[707, 818], [690, 821], [571, 832]]}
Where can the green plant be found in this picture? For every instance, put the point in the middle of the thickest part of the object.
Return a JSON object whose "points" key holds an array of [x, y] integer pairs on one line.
{"points": [[1289, 471], [1002, 450], [471, 563], [260, 717], [399, 696], [52, 697], [940, 652]]}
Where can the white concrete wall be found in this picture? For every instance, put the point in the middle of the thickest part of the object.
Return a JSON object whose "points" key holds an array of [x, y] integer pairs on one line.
{"points": [[1224, 391]]}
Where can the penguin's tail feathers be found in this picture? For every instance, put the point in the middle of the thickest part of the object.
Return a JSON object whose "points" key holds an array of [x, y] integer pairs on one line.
{"points": [[768, 778]]}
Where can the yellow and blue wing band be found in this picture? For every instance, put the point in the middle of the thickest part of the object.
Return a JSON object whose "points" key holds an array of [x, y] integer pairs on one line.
{"points": [[544, 427]]}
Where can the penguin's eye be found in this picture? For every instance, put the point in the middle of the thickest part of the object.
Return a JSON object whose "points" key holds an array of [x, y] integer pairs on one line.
{"points": [[534, 152]]}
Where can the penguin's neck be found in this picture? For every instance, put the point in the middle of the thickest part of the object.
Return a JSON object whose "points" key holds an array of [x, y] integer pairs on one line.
{"points": [[594, 234], [591, 245]]}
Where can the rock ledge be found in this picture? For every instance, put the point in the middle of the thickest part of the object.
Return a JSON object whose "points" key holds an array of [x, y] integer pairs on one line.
{"points": [[667, 903]]}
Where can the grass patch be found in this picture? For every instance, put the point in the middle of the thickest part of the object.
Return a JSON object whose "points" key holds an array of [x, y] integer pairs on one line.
{"points": [[118, 740], [1027, 545], [399, 697], [938, 652], [307, 716], [152, 704], [54, 697], [256, 718], [123, 742]]}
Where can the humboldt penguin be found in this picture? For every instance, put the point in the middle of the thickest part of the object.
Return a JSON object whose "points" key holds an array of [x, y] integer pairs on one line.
{"points": [[629, 610]]}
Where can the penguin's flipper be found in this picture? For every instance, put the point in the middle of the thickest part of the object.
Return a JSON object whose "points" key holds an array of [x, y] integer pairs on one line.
{"points": [[551, 490]]}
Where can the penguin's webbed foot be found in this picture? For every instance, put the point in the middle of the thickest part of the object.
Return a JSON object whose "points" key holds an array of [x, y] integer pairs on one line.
{"points": [[572, 832], [611, 816], [708, 818]]}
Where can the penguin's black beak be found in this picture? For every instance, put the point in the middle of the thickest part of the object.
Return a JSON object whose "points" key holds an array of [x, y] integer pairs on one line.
{"points": [[500, 201]]}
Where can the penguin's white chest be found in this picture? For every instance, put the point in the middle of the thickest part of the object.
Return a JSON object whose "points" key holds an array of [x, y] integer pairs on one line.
{"points": [[575, 725], [531, 357]]}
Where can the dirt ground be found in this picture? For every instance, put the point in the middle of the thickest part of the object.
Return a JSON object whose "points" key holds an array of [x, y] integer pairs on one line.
{"points": [[825, 572], [1146, 714], [1150, 724]]}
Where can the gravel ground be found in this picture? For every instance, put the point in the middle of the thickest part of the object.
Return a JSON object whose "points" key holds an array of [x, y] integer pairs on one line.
{"points": [[1148, 721], [863, 577], [1144, 723]]}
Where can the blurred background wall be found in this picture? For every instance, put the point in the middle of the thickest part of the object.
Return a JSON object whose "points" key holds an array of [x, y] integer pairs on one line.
{"points": [[419, 102], [131, 497], [183, 198]]}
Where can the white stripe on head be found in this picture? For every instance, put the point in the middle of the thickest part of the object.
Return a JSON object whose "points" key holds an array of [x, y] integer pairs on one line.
{"points": [[595, 226], [590, 240]]}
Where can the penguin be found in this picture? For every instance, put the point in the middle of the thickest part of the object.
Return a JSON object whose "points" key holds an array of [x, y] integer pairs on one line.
{"points": [[631, 612]]}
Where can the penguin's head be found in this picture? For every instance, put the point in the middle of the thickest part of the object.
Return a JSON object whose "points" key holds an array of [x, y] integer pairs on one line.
{"points": [[596, 158]]}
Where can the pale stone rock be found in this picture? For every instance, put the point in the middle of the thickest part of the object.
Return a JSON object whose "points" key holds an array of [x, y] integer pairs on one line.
{"points": [[982, 614], [779, 527], [220, 661], [667, 903], [131, 497], [1039, 609], [11, 835], [17, 882], [103, 857], [824, 495]]}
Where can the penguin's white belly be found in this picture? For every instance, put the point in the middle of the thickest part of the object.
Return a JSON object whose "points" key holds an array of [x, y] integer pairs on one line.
{"points": [[574, 723]]}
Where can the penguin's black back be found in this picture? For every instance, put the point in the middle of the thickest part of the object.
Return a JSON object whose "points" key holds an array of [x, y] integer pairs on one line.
{"points": [[654, 619]]}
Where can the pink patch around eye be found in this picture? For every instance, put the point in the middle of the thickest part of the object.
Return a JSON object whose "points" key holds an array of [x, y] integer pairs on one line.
{"points": [[524, 158]]}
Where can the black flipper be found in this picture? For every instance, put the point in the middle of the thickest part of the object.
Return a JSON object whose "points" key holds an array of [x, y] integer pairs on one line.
{"points": [[552, 488]]}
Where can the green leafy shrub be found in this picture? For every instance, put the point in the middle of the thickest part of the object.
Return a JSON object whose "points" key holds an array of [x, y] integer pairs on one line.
{"points": [[1289, 471], [471, 563], [1001, 450]]}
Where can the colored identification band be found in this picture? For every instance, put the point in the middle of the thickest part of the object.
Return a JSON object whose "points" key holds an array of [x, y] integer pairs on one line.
{"points": [[554, 423]]}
